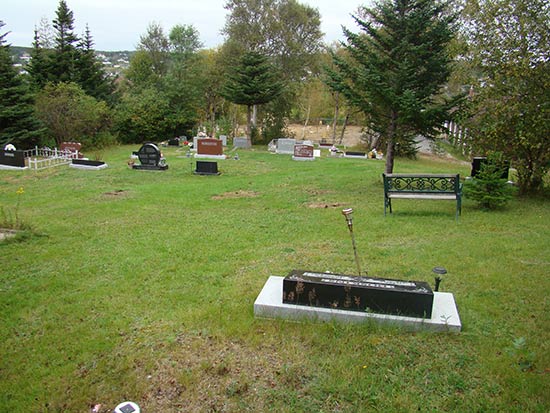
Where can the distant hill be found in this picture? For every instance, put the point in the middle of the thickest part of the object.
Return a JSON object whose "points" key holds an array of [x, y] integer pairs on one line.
{"points": [[114, 62]]}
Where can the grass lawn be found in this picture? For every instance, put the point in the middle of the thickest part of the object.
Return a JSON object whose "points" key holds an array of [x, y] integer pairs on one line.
{"points": [[136, 285]]}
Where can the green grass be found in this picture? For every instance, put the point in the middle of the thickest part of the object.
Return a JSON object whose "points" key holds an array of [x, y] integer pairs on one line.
{"points": [[140, 285]]}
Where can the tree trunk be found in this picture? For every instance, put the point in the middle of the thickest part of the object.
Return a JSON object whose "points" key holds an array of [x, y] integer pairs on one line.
{"points": [[255, 115], [343, 128], [249, 124], [336, 114], [213, 120], [391, 143], [307, 120]]}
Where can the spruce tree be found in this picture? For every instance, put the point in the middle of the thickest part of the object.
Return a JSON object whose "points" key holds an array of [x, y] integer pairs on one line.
{"points": [[18, 125], [252, 82], [394, 70], [38, 67], [91, 76], [63, 64]]}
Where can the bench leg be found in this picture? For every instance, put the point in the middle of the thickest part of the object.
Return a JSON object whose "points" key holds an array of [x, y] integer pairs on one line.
{"points": [[387, 203]]}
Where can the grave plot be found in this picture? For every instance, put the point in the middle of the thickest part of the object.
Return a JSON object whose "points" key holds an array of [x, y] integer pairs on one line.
{"points": [[150, 157], [38, 158], [209, 148]]}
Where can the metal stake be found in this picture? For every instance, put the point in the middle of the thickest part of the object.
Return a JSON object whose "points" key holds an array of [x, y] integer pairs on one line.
{"points": [[349, 219], [439, 271]]}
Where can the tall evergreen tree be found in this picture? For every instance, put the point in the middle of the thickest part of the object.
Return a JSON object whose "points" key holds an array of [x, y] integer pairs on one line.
{"points": [[91, 76], [17, 122], [65, 52], [38, 67], [396, 67], [252, 82]]}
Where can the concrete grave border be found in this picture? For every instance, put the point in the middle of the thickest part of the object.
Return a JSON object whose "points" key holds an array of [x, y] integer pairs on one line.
{"points": [[269, 304]]}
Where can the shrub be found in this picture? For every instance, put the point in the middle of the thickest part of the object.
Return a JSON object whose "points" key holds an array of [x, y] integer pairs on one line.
{"points": [[488, 188]]}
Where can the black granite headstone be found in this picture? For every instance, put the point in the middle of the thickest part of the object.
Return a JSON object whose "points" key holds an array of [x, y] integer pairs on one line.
{"points": [[353, 293], [150, 157], [207, 168], [352, 153], [478, 161], [87, 162], [12, 158]]}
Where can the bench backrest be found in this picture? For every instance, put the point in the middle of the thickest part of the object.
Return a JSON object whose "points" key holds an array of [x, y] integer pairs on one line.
{"points": [[431, 183]]}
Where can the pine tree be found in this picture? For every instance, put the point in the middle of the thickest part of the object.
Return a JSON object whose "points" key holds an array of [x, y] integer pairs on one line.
{"points": [[18, 125], [91, 76], [65, 52], [38, 67], [395, 68], [252, 82]]}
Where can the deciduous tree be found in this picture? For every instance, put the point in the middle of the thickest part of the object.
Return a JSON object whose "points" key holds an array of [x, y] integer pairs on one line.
{"points": [[70, 114], [510, 109]]}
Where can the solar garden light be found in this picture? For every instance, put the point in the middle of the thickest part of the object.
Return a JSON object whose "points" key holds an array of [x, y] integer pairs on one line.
{"points": [[439, 271], [127, 407], [349, 219]]}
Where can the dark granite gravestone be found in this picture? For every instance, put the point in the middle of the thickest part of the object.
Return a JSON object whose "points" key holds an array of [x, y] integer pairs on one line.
{"points": [[207, 168], [151, 158], [478, 161], [353, 293], [87, 164], [15, 159], [174, 142], [352, 154]]}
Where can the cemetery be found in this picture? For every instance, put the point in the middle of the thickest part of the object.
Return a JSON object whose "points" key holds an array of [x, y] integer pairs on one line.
{"points": [[193, 289], [263, 231]]}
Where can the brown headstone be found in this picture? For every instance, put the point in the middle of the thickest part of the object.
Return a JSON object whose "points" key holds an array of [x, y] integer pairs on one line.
{"points": [[209, 146], [303, 151]]}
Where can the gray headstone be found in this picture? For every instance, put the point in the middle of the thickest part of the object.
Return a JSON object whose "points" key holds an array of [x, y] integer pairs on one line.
{"points": [[241, 142], [286, 146]]}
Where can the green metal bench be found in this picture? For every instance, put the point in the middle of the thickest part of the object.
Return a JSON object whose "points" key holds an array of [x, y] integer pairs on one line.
{"points": [[422, 186]]}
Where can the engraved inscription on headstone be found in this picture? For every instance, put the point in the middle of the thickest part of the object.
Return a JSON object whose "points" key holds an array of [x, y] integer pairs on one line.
{"points": [[346, 292], [208, 146], [303, 152], [150, 157]]}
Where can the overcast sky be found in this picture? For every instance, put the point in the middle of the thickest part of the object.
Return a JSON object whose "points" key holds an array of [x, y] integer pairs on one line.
{"points": [[118, 24]]}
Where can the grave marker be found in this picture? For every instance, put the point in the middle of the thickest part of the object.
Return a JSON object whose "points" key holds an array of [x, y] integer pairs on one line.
{"points": [[207, 168], [241, 142], [151, 158], [209, 148], [303, 152], [286, 146], [12, 159], [354, 293]]}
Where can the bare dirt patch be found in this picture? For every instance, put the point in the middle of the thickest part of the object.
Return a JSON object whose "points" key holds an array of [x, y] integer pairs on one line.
{"points": [[207, 374], [116, 193], [326, 205], [352, 134], [236, 194]]}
